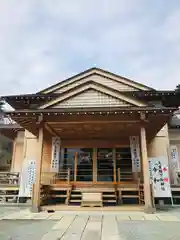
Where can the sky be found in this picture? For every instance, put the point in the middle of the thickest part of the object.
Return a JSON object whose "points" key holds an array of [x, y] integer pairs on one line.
{"points": [[43, 42]]}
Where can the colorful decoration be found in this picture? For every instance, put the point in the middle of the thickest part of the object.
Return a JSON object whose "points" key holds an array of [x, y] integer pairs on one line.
{"points": [[159, 174]]}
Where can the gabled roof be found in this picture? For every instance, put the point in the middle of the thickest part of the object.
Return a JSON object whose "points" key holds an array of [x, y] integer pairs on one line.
{"points": [[97, 71], [82, 88], [110, 82]]}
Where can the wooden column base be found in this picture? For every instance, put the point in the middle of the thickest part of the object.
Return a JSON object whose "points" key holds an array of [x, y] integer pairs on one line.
{"points": [[150, 210], [135, 176], [35, 209]]}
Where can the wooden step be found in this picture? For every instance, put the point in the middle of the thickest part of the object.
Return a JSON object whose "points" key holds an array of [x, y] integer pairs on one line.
{"points": [[75, 195], [176, 196], [128, 189], [75, 200], [109, 201], [58, 195], [129, 196], [59, 188], [8, 195], [109, 195], [92, 190]]}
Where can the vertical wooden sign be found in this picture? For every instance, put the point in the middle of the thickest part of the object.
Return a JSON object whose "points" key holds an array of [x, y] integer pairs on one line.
{"points": [[174, 162], [135, 154], [56, 142]]}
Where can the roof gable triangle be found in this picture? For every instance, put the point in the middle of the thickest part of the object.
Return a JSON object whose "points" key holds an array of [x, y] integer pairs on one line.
{"points": [[68, 83], [88, 94]]}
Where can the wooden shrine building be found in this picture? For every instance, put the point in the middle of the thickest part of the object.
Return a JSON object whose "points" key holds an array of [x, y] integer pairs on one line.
{"points": [[92, 133]]}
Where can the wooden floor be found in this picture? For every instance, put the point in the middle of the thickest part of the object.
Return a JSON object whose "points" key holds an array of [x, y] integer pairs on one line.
{"points": [[96, 209]]}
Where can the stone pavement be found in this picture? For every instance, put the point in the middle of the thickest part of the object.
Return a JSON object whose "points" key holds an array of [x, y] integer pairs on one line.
{"points": [[25, 214], [22, 224]]}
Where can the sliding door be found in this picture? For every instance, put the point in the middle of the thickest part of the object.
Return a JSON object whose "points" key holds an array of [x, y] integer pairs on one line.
{"points": [[85, 165], [105, 171]]}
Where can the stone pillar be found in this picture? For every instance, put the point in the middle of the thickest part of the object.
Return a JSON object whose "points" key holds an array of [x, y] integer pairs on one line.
{"points": [[149, 208], [37, 185]]}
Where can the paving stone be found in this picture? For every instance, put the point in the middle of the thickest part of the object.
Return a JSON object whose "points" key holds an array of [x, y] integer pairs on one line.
{"points": [[95, 218], [60, 228], [65, 222], [168, 218], [151, 217], [41, 216], [122, 217], [136, 217], [56, 216], [54, 235], [16, 215], [109, 228], [76, 228], [93, 229]]}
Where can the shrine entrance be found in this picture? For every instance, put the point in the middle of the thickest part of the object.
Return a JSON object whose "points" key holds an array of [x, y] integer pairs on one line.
{"points": [[97, 164]]}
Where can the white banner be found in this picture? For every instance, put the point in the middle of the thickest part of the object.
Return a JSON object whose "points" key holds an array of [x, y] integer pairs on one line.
{"points": [[135, 154], [56, 142], [174, 162], [159, 174], [27, 179]]}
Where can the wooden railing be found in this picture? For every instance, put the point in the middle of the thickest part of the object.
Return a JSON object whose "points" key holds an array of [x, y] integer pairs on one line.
{"points": [[9, 178], [125, 175], [48, 178], [63, 175], [9, 188]]}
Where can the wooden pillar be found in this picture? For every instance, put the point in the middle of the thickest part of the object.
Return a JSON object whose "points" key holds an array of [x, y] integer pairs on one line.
{"points": [[94, 159], [114, 163], [13, 155], [147, 188], [37, 185], [75, 166]]}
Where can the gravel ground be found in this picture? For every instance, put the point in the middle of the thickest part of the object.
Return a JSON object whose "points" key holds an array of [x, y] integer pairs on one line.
{"points": [[24, 230], [149, 230]]}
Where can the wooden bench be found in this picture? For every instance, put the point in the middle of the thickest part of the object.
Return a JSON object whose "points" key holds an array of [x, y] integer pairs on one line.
{"points": [[91, 199]]}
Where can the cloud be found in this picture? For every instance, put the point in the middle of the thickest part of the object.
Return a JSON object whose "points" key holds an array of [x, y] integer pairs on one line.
{"points": [[43, 42]]}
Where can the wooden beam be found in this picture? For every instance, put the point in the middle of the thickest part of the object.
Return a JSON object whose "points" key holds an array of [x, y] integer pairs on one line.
{"points": [[114, 163], [37, 185], [50, 130], [93, 122], [94, 169], [13, 155], [104, 142], [75, 166], [147, 188]]}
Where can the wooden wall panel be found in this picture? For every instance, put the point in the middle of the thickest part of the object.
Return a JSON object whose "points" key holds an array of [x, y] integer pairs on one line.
{"points": [[18, 152], [92, 98], [47, 146], [30, 149], [99, 79], [96, 143]]}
